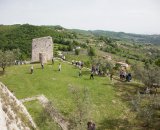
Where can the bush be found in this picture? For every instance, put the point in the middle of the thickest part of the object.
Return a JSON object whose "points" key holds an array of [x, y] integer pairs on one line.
{"points": [[91, 51], [70, 47], [83, 45], [77, 52], [157, 62], [87, 64], [79, 117]]}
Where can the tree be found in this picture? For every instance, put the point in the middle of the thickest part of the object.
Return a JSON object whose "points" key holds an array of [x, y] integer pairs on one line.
{"points": [[144, 110], [128, 61], [157, 62], [75, 43], [77, 51], [17, 54], [6, 59], [80, 116], [70, 47], [148, 74], [91, 51], [104, 65]]}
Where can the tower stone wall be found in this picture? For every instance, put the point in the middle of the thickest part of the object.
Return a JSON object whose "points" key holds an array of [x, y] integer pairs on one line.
{"points": [[43, 45]]}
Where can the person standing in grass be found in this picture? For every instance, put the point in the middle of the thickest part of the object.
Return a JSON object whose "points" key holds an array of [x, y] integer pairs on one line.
{"points": [[59, 67], [42, 65], [89, 125], [93, 126], [111, 74], [92, 76], [52, 61], [32, 69], [80, 72]]}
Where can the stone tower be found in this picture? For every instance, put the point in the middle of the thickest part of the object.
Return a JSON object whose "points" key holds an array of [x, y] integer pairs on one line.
{"points": [[42, 49]]}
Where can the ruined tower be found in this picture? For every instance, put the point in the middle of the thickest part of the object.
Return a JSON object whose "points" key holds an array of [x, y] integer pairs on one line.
{"points": [[42, 49]]}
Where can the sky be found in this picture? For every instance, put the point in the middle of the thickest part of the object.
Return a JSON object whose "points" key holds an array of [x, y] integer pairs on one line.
{"points": [[132, 16]]}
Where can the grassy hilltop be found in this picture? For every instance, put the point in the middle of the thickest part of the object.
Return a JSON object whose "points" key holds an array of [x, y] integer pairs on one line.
{"points": [[110, 104], [108, 101], [104, 103]]}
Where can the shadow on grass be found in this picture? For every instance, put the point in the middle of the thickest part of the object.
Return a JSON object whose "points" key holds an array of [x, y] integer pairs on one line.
{"points": [[86, 72], [2, 73], [126, 90], [88, 78], [39, 68], [76, 76], [114, 124], [50, 64], [28, 73], [56, 70]]}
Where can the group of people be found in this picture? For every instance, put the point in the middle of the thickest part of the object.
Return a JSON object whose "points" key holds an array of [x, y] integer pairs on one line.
{"points": [[80, 70], [80, 73], [42, 66], [20, 62], [77, 63], [125, 76], [96, 69]]}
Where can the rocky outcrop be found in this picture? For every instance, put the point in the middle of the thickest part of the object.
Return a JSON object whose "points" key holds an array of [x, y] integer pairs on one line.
{"points": [[13, 114]]}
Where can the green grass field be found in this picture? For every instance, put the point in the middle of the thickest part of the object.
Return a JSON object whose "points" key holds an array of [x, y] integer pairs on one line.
{"points": [[43, 121], [106, 108]]}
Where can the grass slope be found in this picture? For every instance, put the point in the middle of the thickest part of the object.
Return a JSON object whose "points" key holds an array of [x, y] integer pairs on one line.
{"points": [[104, 104], [43, 121]]}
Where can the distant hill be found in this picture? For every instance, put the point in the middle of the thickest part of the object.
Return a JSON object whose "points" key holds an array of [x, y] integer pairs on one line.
{"points": [[139, 38], [153, 39], [20, 36]]}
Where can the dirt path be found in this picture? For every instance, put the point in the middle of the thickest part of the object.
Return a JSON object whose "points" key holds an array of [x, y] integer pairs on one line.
{"points": [[56, 116], [70, 63]]}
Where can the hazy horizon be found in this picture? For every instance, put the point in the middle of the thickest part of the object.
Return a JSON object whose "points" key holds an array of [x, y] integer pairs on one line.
{"points": [[129, 16]]}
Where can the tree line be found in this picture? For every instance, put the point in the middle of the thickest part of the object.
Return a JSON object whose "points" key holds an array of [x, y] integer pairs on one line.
{"points": [[20, 36]]}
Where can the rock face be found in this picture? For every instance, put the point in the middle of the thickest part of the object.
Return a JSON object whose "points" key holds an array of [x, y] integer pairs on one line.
{"points": [[13, 114], [2, 118], [42, 49]]}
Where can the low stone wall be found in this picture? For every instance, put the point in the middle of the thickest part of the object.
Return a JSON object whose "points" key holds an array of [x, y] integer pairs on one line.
{"points": [[55, 115]]}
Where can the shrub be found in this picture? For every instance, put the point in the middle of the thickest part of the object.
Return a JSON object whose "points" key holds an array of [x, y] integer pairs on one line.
{"points": [[77, 51]]}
